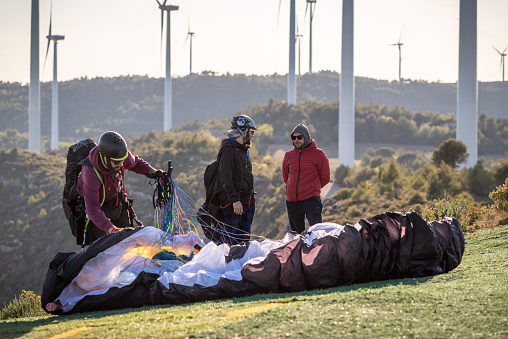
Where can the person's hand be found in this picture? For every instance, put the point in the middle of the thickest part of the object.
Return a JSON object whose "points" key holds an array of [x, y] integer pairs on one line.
{"points": [[237, 207], [156, 174]]}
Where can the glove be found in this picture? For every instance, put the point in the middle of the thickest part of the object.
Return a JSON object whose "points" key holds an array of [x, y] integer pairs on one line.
{"points": [[156, 175]]}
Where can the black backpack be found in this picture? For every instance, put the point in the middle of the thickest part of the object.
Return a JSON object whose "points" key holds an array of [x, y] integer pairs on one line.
{"points": [[209, 212], [73, 204]]}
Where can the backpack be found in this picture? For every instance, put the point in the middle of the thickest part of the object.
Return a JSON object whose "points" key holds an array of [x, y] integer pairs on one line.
{"points": [[73, 204], [209, 212]]}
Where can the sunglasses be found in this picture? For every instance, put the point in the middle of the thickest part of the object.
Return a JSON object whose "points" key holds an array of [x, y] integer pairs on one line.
{"points": [[294, 137], [117, 162]]}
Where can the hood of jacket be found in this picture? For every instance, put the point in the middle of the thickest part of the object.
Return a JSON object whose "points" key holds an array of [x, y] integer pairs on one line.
{"points": [[303, 130], [95, 160]]}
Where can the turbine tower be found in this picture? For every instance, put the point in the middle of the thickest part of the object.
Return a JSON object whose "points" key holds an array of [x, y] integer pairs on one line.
{"points": [[347, 88], [34, 92], [291, 98], [191, 35], [298, 36], [503, 54], [167, 82], [54, 90], [399, 44], [292, 43], [467, 85], [310, 4]]}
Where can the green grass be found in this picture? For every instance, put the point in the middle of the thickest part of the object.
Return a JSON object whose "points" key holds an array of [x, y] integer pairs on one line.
{"points": [[471, 301]]}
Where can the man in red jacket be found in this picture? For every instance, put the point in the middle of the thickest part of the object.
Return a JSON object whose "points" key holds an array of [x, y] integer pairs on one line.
{"points": [[101, 185], [305, 171]]}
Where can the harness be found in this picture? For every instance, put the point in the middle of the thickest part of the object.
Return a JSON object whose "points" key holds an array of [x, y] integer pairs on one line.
{"points": [[88, 163]]}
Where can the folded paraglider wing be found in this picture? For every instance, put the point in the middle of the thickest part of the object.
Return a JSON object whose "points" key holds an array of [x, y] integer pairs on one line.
{"points": [[125, 269]]}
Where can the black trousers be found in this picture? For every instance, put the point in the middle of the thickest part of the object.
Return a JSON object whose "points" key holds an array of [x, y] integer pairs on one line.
{"points": [[311, 208]]}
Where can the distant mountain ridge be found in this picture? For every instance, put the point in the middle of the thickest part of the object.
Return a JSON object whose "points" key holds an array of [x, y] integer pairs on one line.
{"points": [[134, 104]]}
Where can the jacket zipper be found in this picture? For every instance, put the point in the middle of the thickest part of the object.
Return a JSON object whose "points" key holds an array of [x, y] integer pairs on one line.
{"points": [[299, 169]]}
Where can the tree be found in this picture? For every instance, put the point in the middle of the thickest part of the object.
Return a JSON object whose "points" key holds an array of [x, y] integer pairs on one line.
{"points": [[480, 180], [451, 152]]}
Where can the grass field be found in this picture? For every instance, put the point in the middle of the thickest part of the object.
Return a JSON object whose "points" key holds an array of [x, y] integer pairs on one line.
{"points": [[471, 301]]}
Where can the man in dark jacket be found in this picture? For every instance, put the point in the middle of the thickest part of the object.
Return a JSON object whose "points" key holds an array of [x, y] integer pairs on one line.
{"points": [[101, 185], [237, 203], [305, 170]]}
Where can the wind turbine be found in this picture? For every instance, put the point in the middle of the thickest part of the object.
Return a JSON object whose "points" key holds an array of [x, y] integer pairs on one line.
{"points": [[54, 91], [291, 98], [167, 82], [467, 82], [503, 54], [298, 36], [310, 4], [400, 54], [34, 91], [191, 35], [346, 137]]}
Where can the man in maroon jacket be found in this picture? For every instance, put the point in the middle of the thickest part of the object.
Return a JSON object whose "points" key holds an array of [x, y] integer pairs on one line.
{"points": [[305, 171], [101, 185]]}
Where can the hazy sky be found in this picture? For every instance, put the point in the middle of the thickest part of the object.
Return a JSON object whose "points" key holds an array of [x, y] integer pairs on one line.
{"points": [[113, 37]]}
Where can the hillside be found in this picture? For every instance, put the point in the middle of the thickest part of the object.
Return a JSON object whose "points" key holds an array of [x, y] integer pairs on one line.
{"points": [[134, 105]]}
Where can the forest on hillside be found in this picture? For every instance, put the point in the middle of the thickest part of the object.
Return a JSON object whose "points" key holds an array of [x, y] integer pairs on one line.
{"points": [[134, 104], [374, 124]]}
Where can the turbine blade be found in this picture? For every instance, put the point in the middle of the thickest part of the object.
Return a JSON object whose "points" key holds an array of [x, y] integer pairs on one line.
{"points": [[46, 58], [278, 13], [497, 50], [505, 49], [402, 30], [50, 17], [164, 4], [158, 2], [305, 15], [186, 38], [314, 11], [162, 28]]}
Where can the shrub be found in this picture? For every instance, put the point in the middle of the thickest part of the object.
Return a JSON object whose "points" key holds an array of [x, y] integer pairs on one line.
{"points": [[340, 174], [500, 196], [343, 193], [417, 198], [445, 208], [480, 180], [28, 304], [357, 176], [376, 161]]}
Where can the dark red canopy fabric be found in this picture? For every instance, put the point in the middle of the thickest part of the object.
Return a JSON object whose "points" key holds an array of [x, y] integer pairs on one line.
{"points": [[387, 246]]}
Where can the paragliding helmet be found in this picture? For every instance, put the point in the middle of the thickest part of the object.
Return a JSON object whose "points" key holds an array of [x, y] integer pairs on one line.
{"points": [[112, 146], [243, 123]]}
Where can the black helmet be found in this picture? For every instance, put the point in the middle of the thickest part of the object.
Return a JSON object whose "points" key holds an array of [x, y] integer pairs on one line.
{"points": [[112, 146], [243, 123]]}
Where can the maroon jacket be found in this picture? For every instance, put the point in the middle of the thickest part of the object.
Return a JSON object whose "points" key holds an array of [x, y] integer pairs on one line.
{"points": [[305, 171], [90, 187]]}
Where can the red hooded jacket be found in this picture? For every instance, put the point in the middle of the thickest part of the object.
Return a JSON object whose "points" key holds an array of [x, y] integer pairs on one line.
{"points": [[305, 171], [90, 187]]}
